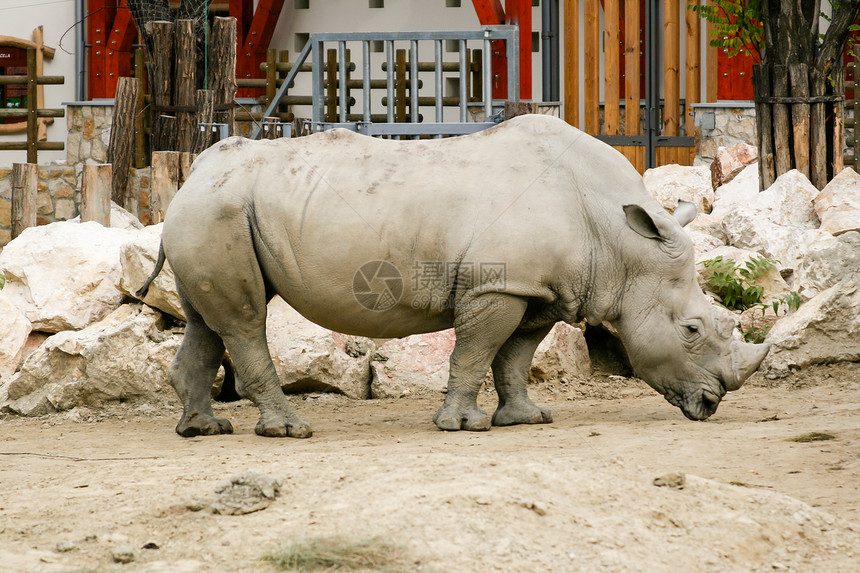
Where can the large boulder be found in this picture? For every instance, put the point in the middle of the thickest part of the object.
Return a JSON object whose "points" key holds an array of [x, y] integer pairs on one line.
{"points": [[838, 204], [771, 221], [137, 257], [119, 219], [563, 354], [13, 336], [310, 358], [823, 330], [742, 188], [771, 281], [122, 357], [823, 260], [708, 224], [62, 276], [671, 183], [730, 161]]}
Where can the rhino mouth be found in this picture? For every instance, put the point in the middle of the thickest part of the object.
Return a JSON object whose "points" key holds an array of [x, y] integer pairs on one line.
{"points": [[696, 406]]}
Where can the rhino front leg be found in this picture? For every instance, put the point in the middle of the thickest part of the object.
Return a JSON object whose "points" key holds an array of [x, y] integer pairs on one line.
{"points": [[192, 373], [511, 374], [482, 324]]}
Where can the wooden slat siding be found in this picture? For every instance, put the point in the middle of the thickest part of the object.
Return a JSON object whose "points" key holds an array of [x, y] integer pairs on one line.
{"points": [[632, 88], [712, 81], [693, 92], [571, 62], [592, 67], [635, 154], [611, 68], [672, 47]]}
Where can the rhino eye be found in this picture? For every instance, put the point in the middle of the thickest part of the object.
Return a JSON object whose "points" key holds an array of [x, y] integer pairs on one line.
{"points": [[691, 330]]}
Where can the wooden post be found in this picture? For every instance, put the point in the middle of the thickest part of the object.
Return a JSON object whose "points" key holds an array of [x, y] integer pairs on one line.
{"points": [[592, 67], [838, 75], [96, 188], [25, 185], [122, 137], [184, 84], [818, 130], [164, 181], [611, 69], [205, 114], [711, 56], [799, 78], [161, 80], [139, 125], [764, 126], [32, 108], [271, 75], [222, 66], [400, 87], [694, 71], [632, 89], [781, 128], [331, 85], [672, 46], [571, 61]]}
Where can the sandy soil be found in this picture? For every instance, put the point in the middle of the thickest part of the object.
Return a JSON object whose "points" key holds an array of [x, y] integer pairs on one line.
{"points": [[574, 495]]}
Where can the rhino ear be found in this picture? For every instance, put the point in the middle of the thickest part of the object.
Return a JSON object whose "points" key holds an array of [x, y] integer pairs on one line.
{"points": [[685, 212], [640, 221]]}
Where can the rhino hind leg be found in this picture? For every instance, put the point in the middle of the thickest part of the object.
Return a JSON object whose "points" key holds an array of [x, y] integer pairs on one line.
{"points": [[511, 373], [482, 325], [192, 373]]}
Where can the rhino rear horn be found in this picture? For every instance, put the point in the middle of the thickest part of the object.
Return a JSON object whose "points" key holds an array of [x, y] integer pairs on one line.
{"points": [[685, 212]]}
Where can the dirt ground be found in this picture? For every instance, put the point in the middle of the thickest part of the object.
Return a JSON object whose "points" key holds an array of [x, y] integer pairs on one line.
{"points": [[78, 488]]}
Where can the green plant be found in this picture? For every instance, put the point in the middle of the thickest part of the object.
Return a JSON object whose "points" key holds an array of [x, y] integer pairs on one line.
{"points": [[2, 280], [336, 552], [736, 24]]}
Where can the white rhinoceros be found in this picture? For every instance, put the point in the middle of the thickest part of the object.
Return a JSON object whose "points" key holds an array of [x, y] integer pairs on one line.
{"points": [[498, 234]]}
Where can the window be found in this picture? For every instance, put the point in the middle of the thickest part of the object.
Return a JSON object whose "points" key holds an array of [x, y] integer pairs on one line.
{"points": [[301, 39], [301, 4], [452, 3], [376, 3]]}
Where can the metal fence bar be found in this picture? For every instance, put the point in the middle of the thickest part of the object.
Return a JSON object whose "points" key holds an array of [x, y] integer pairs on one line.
{"points": [[389, 59], [318, 91], [513, 66], [438, 62], [464, 74], [488, 79], [341, 72], [413, 80], [365, 79]]}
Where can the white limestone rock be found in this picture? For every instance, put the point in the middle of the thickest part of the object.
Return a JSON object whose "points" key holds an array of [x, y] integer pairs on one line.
{"points": [[137, 257], [730, 161], [414, 364], [742, 188], [63, 276], [838, 204], [824, 260], [13, 336], [671, 183]]}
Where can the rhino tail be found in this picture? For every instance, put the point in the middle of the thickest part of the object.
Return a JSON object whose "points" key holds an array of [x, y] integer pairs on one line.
{"points": [[141, 292]]}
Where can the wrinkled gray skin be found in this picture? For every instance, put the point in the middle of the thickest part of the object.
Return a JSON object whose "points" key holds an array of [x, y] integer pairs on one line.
{"points": [[566, 217]]}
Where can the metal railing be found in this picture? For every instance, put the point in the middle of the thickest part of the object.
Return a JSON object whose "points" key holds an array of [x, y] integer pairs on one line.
{"points": [[414, 126]]}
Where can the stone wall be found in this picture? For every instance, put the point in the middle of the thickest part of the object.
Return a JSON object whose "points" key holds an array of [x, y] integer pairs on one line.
{"points": [[723, 124]]}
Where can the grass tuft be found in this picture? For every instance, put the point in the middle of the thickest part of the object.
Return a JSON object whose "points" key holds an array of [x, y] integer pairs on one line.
{"points": [[813, 437], [338, 553]]}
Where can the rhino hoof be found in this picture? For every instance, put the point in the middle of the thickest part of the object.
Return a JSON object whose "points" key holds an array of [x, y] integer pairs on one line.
{"points": [[511, 414], [281, 427], [203, 425], [472, 420]]}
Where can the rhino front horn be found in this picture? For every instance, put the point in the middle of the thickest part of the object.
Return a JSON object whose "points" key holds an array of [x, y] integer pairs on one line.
{"points": [[745, 360]]}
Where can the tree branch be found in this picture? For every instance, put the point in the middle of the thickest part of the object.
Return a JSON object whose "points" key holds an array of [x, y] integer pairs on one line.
{"points": [[837, 33], [816, 15]]}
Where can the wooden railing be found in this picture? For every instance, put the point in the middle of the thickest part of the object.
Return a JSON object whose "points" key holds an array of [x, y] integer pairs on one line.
{"points": [[32, 146]]}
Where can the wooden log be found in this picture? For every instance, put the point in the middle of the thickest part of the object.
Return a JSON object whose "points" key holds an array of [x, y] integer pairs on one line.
{"points": [[96, 191], [764, 126], [185, 83], [331, 85], [799, 79], [571, 62], [25, 186], [222, 69], [164, 182], [612, 58], [632, 88], [818, 131], [32, 108], [121, 146], [711, 56], [838, 134], [781, 127], [203, 135], [161, 81], [140, 151], [271, 75], [592, 67], [400, 86], [672, 78], [693, 76], [856, 106], [185, 160]]}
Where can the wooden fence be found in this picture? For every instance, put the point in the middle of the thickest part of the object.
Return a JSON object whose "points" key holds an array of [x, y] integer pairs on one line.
{"points": [[33, 112]]}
